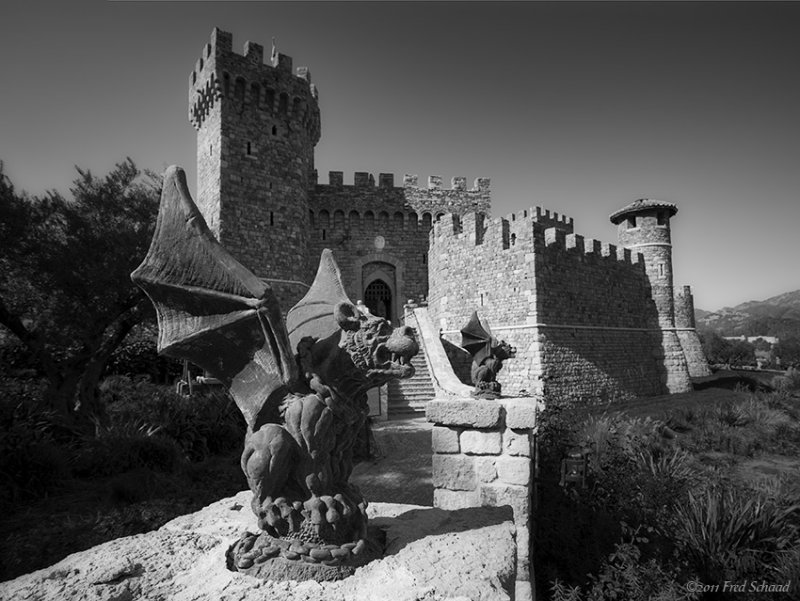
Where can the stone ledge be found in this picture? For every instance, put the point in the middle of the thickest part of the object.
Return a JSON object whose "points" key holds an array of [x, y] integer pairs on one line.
{"points": [[468, 412], [432, 553], [520, 413]]}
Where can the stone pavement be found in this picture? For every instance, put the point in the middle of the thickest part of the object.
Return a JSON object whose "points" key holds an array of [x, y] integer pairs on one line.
{"points": [[401, 470]]}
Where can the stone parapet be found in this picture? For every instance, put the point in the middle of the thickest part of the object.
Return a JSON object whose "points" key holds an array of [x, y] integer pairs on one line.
{"points": [[482, 457]]}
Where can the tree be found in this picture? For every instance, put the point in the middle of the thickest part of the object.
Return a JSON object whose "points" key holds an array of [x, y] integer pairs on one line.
{"points": [[65, 264], [788, 349], [732, 352]]}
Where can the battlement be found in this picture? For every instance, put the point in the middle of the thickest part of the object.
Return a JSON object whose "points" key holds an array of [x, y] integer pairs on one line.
{"points": [[363, 179], [246, 79], [529, 230], [457, 183]]}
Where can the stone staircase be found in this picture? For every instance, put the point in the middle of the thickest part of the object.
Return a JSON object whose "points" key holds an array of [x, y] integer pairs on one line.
{"points": [[407, 398]]}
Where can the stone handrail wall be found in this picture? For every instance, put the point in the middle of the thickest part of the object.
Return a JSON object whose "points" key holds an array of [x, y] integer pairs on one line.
{"points": [[445, 382], [482, 456]]}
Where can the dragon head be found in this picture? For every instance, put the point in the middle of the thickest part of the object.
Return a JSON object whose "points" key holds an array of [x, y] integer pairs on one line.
{"points": [[378, 350]]}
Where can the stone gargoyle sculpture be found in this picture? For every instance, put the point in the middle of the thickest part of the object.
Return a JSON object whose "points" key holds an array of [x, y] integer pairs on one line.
{"points": [[488, 354], [301, 387]]}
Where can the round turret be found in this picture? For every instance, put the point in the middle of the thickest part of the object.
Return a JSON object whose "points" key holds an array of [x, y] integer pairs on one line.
{"points": [[257, 125], [643, 226]]}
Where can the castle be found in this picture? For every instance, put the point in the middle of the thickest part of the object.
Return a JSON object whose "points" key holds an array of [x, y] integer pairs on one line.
{"points": [[591, 321]]}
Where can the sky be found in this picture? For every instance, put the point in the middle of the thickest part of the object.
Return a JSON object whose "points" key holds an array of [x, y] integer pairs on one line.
{"points": [[576, 107]]}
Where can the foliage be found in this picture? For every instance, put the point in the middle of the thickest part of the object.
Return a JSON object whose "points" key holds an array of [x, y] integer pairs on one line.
{"points": [[732, 534], [65, 290], [138, 356], [788, 349], [675, 518], [790, 381], [625, 574], [31, 460], [719, 350], [208, 423]]}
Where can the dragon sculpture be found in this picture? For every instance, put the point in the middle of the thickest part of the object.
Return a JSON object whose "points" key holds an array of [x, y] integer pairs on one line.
{"points": [[301, 387], [488, 354]]}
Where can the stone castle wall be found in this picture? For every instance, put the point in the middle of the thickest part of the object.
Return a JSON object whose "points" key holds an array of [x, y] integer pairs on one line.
{"points": [[580, 312], [385, 227]]}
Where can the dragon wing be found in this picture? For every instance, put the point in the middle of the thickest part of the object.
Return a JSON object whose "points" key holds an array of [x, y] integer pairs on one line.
{"points": [[476, 337], [315, 314], [211, 309]]}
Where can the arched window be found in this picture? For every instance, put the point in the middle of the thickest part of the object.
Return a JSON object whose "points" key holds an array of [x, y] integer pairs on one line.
{"points": [[398, 220], [354, 218], [324, 219], [426, 221], [439, 216], [283, 103], [369, 220], [269, 99], [338, 218], [413, 221], [311, 218], [238, 90], [255, 95], [383, 219]]}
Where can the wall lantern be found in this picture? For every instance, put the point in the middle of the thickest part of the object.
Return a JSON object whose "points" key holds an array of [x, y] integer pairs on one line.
{"points": [[573, 467]]}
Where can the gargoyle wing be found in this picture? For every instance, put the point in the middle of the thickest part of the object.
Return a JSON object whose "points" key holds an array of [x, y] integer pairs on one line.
{"points": [[211, 309], [476, 338], [315, 314]]}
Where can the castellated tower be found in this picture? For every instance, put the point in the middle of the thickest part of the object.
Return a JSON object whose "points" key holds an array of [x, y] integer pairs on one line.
{"points": [[257, 125], [644, 227]]}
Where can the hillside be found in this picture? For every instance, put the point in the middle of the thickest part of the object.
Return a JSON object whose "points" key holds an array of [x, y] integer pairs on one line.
{"points": [[776, 316]]}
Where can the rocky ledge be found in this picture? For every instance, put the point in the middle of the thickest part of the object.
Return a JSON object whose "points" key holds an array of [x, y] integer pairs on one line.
{"points": [[431, 554]]}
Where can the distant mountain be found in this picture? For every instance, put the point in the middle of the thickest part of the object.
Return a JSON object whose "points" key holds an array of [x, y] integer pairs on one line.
{"points": [[777, 316]]}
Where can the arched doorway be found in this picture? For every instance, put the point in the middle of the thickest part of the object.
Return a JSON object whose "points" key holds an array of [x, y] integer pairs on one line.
{"points": [[378, 299]]}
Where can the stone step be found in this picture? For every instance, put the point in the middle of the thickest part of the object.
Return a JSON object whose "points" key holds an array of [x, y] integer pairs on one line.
{"points": [[408, 397]]}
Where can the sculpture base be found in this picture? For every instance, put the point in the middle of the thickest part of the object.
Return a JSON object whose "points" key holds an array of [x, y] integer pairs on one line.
{"points": [[268, 558]]}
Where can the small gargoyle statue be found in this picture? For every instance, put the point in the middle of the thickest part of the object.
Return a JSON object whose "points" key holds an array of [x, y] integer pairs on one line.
{"points": [[301, 387], [488, 354]]}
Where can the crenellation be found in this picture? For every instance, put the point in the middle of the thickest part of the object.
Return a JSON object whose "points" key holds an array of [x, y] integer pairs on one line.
{"points": [[254, 52], [386, 180], [434, 182], [608, 250], [575, 242], [362, 179]]}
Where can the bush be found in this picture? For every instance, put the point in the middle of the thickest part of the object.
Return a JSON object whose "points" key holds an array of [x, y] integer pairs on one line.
{"points": [[208, 423], [120, 450], [31, 461], [735, 534], [625, 575]]}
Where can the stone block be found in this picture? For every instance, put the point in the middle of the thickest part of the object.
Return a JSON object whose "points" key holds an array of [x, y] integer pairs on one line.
{"points": [[470, 413], [452, 499], [478, 442], [517, 497], [486, 469], [520, 413], [454, 472], [517, 443], [444, 440], [514, 470]]}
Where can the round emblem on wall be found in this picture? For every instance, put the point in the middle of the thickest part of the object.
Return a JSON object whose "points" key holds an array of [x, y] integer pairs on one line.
{"points": [[380, 242]]}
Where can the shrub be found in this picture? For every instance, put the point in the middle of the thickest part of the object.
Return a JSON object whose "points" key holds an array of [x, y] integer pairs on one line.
{"points": [[31, 462], [206, 424], [734, 534], [115, 452], [625, 574]]}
